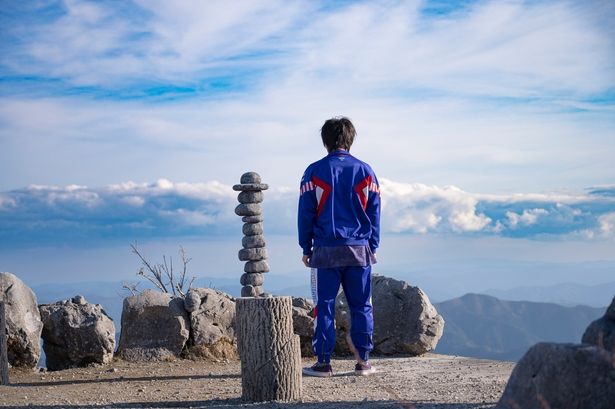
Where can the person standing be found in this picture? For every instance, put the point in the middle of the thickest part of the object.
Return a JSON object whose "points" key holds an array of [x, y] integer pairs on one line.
{"points": [[339, 232]]}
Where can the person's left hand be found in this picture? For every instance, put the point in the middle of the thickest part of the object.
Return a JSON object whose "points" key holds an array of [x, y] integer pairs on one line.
{"points": [[306, 260]]}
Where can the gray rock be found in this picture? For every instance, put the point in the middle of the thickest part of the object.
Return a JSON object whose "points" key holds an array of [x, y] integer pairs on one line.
{"points": [[254, 279], [303, 324], [248, 209], [250, 177], [23, 321], [212, 333], [253, 254], [561, 376], [78, 299], [252, 219], [252, 229], [250, 242], [76, 334], [251, 291], [405, 321], [251, 186], [192, 301], [602, 331], [256, 267], [154, 327], [250, 196]]}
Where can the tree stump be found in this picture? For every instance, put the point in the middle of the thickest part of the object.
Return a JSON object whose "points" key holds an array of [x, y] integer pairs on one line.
{"points": [[269, 350], [4, 358]]}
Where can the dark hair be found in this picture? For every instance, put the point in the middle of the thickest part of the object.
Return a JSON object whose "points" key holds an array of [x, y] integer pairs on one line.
{"points": [[338, 133]]}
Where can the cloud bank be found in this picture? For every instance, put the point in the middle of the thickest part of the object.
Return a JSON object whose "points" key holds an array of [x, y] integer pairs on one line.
{"points": [[132, 211]]}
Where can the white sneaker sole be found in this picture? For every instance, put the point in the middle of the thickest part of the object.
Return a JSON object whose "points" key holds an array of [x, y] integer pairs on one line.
{"points": [[310, 372], [365, 372]]}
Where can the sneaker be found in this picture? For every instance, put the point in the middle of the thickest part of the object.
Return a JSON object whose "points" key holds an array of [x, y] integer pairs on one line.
{"points": [[318, 369], [364, 369]]}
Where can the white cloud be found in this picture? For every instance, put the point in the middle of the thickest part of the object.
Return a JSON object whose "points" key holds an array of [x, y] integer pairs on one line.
{"points": [[421, 209], [606, 223], [528, 217]]}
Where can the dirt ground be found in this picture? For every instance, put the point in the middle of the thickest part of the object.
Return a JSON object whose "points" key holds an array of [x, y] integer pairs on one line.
{"points": [[431, 381]]}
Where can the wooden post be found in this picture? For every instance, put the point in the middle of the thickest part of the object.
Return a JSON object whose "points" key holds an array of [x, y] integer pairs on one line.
{"points": [[269, 350], [4, 358]]}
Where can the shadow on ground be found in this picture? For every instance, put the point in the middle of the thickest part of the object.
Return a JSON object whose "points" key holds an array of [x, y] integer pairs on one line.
{"points": [[127, 379]]}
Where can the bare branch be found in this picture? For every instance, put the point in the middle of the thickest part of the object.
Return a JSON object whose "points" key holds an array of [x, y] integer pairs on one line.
{"points": [[132, 287], [155, 270], [190, 283], [162, 275]]}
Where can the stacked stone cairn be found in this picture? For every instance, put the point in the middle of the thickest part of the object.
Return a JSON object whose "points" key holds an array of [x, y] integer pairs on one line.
{"points": [[253, 252]]}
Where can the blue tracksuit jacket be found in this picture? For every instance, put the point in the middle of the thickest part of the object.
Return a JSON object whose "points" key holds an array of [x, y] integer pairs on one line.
{"points": [[339, 204]]}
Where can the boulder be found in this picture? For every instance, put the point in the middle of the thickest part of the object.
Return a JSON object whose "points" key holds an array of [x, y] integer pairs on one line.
{"points": [[23, 321], [155, 326], [405, 321], [212, 333], [303, 324], [192, 301], [602, 331], [561, 376], [76, 333]]}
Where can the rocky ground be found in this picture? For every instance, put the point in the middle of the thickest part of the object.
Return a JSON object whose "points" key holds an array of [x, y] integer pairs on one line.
{"points": [[431, 381]]}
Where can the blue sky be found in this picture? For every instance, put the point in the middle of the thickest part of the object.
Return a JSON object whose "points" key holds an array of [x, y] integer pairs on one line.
{"points": [[485, 120]]}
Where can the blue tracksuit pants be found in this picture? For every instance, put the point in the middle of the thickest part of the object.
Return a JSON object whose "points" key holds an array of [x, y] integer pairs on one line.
{"points": [[356, 282]]}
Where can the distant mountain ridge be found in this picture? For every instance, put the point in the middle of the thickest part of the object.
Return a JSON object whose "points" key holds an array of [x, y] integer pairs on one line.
{"points": [[483, 326], [569, 294]]}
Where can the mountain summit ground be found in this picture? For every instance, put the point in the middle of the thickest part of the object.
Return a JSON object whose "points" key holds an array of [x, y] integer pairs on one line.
{"points": [[431, 381]]}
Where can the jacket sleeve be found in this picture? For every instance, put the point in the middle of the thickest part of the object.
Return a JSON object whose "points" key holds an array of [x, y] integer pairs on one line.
{"points": [[373, 212], [306, 215]]}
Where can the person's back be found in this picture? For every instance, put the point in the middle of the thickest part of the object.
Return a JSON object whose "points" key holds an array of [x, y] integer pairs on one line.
{"points": [[338, 218]]}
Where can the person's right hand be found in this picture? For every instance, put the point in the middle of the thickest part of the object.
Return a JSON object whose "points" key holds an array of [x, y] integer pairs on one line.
{"points": [[306, 260]]}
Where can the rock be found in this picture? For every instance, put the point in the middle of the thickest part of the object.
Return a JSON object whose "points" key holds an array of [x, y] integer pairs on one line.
{"points": [[192, 301], [212, 333], [250, 196], [76, 334], [248, 209], [251, 290], [254, 279], [561, 376], [154, 327], [251, 186], [23, 321], [252, 219], [602, 331], [252, 229], [253, 254], [79, 299], [303, 324], [405, 321], [256, 267], [249, 242], [250, 177]]}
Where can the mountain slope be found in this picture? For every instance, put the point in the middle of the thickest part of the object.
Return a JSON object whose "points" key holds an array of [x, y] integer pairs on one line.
{"points": [[483, 326]]}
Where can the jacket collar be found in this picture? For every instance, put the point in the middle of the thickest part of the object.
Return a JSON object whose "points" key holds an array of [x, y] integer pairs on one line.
{"points": [[339, 152]]}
